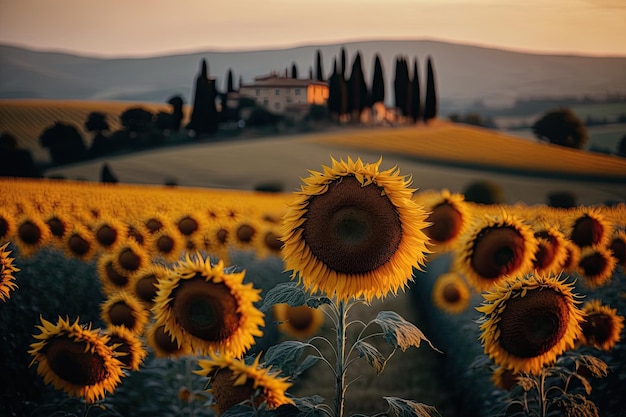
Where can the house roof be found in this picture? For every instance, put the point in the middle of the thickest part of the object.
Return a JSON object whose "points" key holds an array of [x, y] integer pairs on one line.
{"points": [[275, 81]]}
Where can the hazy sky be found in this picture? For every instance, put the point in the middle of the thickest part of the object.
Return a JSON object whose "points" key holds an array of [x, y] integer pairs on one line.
{"points": [[151, 27]]}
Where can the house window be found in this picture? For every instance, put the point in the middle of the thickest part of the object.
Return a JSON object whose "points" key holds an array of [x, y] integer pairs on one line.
{"points": [[277, 105], [277, 92], [258, 92], [266, 102], [297, 91]]}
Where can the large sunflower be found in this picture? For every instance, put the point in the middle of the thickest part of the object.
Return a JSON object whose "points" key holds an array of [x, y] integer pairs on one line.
{"points": [[493, 248], [208, 307], [7, 269], [76, 359], [528, 322], [300, 322], [451, 293], [602, 327], [354, 231], [232, 381], [551, 253]]}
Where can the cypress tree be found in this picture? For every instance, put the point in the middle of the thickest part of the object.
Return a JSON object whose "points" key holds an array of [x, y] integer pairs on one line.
{"points": [[415, 94], [319, 72], [229, 84], [294, 71], [343, 63], [204, 114], [430, 101], [357, 89], [334, 93], [401, 85], [378, 82]]}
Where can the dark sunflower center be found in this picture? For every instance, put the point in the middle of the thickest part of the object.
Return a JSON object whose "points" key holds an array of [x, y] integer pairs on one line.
{"points": [[446, 223], [57, 227], [187, 225], [74, 363], [121, 314], [226, 394], [272, 241], [544, 256], [114, 276], [300, 317], [106, 235], [497, 251], [146, 287], [586, 231], [122, 347], [206, 310], [164, 341], [129, 260], [531, 325], [593, 264], [134, 233], [222, 235], [245, 233], [165, 244], [154, 225], [4, 227], [78, 245], [597, 327], [451, 293], [352, 229], [29, 232]]}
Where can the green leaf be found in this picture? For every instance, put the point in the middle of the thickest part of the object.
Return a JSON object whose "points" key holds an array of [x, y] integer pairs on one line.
{"points": [[285, 356], [372, 355], [398, 332], [308, 362], [315, 302], [407, 408], [285, 292]]}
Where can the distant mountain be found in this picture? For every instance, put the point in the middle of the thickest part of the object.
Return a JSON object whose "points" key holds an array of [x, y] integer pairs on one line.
{"points": [[464, 73]]}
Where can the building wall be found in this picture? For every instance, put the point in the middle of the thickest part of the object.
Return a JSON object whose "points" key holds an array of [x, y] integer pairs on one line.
{"points": [[277, 98]]}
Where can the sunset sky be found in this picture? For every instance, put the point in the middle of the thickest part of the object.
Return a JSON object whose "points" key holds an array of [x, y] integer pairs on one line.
{"points": [[153, 27]]}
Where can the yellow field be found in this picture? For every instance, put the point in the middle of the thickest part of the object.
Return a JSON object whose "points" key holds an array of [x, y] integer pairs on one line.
{"points": [[27, 119], [477, 146]]}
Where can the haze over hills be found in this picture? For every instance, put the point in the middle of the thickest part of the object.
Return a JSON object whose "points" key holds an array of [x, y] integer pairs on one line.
{"points": [[464, 73]]}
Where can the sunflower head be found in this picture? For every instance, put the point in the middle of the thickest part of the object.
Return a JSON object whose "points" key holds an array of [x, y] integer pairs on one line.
{"points": [[596, 265], [127, 346], [167, 242], [130, 257], [232, 381], [123, 309], [354, 231], [144, 283], [109, 232], [163, 344], [7, 224], [495, 247], [602, 327], [451, 293], [208, 307], [589, 227], [504, 378], [300, 321], [31, 233], [527, 322], [79, 242], [449, 217], [617, 245], [551, 252], [76, 359], [7, 283]]}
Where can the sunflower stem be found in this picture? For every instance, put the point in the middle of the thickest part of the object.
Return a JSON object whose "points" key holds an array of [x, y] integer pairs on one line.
{"points": [[340, 377]]}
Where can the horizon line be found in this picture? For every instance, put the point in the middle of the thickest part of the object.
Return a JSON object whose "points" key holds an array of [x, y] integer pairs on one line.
{"points": [[244, 49]]}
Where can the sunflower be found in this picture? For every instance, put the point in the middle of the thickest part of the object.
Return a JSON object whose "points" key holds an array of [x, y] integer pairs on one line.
{"points": [[504, 378], [617, 245], [589, 227], [59, 222], [167, 243], [450, 293], [449, 215], [602, 327], [495, 247], [300, 322], [232, 381], [123, 309], [76, 359], [79, 243], [354, 231], [596, 265], [528, 322], [572, 256], [551, 252], [127, 345], [143, 284], [162, 344], [130, 257], [111, 279], [109, 232], [6, 273], [7, 225], [31, 233], [208, 307]]}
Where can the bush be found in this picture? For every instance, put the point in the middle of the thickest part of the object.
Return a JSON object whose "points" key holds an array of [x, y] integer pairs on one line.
{"points": [[483, 192]]}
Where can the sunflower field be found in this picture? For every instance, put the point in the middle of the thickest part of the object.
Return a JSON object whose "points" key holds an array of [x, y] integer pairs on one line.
{"points": [[139, 300]]}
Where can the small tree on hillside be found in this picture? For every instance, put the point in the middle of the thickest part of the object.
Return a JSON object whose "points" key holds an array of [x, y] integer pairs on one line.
{"points": [[204, 114], [64, 142], [561, 127], [430, 101], [177, 104], [97, 122]]}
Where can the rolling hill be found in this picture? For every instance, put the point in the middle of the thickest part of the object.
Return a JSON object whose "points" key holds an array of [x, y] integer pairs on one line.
{"points": [[464, 73]]}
